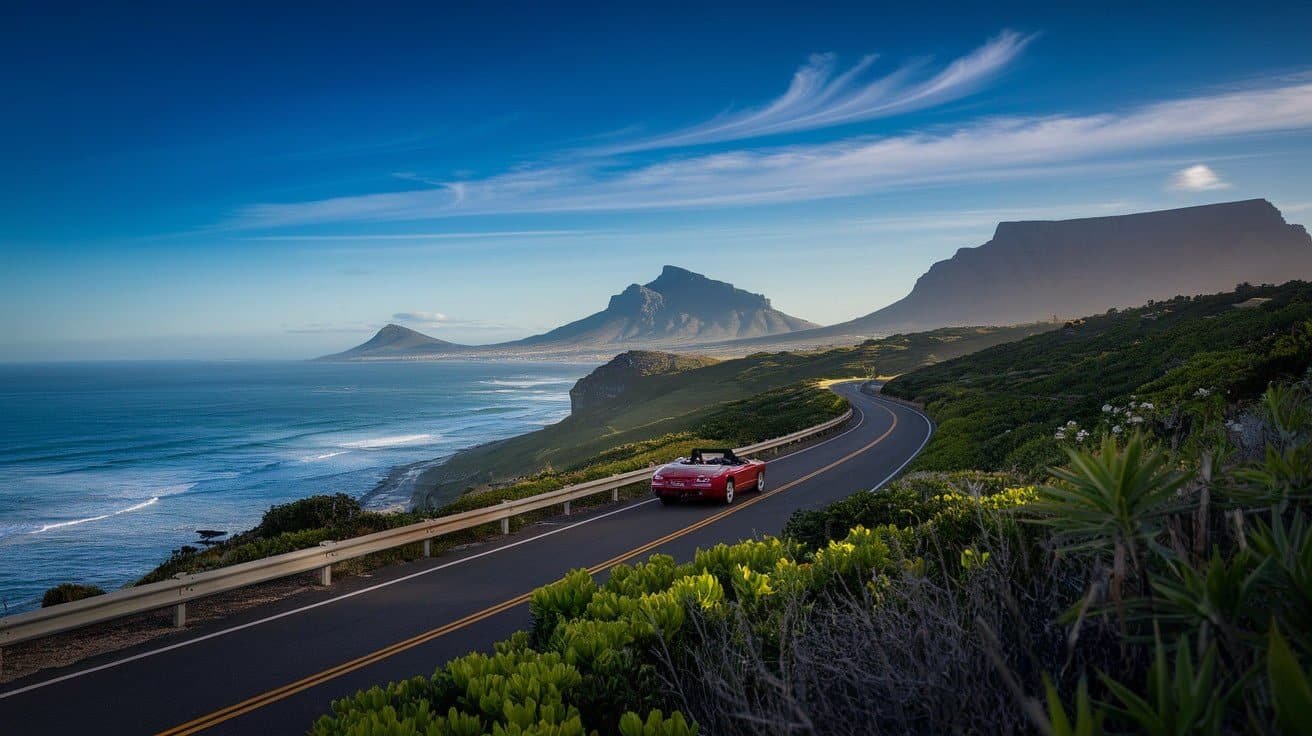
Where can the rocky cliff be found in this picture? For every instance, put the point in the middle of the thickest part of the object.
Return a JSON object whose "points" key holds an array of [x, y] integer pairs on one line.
{"points": [[610, 382], [1035, 270]]}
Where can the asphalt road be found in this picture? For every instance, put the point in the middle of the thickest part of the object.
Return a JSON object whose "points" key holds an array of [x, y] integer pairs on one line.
{"points": [[276, 668]]}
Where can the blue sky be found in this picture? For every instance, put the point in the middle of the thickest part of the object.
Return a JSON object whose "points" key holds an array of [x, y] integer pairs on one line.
{"points": [[191, 180]]}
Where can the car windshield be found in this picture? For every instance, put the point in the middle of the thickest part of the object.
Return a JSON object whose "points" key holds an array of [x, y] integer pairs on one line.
{"points": [[705, 457]]}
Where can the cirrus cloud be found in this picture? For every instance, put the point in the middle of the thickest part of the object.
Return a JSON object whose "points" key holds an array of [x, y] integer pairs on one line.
{"points": [[990, 148], [820, 96]]}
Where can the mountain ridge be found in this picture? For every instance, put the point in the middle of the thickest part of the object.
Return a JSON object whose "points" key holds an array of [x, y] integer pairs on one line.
{"points": [[1037, 270], [1030, 271], [679, 308]]}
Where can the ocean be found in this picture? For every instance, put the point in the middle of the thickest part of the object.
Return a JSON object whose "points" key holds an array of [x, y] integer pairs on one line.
{"points": [[105, 468]]}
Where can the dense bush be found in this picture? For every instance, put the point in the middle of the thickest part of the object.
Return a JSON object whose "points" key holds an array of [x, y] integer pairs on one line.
{"points": [[604, 649], [68, 592], [997, 409], [315, 512]]}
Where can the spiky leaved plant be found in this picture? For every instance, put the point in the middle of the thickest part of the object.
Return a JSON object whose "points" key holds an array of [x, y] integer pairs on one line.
{"points": [[1113, 502]]}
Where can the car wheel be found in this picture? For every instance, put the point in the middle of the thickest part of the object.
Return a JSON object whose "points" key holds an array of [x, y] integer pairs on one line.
{"points": [[760, 481], [669, 500], [728, 492]]}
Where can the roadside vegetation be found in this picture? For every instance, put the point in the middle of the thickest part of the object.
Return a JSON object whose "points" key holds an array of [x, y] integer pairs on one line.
{"points": [[1157, 581], [1146, 569], [999, 409]]}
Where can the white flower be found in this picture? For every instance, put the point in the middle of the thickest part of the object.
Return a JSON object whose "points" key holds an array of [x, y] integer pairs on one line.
{"points": [[1072, 423], [1116, 429], [1136, 420], [1202, 392], [1146, 405], [1106, 408], [1059, 436], [1082, 435]]}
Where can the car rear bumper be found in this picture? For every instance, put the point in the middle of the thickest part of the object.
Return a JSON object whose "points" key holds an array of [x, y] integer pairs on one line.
{"points": [[688, 491]]}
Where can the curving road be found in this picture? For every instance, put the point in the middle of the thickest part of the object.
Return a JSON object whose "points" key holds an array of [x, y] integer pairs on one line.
{"points": [[274, 669]]}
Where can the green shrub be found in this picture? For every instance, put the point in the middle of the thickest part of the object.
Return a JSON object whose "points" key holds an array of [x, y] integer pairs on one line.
{"points": [[68, 592], [314, 512]]}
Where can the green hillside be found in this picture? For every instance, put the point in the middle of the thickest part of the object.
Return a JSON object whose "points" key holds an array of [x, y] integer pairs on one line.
{"points": [[663, 403], [998, 409]]}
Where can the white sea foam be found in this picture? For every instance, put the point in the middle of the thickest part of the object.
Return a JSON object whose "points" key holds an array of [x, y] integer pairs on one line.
{"points": [[526, 382], [75, 522], [323, 456], [392, 441]]}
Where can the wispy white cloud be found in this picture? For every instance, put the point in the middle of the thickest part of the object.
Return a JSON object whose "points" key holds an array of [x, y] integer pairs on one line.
{"points": [[983, 149], [434, 319], [439, 320], [473, 235], [821, 96], [1197, 178]]}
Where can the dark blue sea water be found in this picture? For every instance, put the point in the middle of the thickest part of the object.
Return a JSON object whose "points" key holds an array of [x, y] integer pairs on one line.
{"points": [[107, 467]]}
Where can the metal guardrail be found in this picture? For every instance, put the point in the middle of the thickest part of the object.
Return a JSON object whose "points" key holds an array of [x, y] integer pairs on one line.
{"points": [[177, 591]]}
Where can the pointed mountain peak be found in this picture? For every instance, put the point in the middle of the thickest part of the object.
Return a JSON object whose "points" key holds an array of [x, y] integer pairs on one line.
{"points": [[675, 273], [393, 329], [394, 341]]}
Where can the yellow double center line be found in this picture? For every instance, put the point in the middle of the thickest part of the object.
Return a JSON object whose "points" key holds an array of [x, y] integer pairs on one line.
{"points": [[272, 696]]}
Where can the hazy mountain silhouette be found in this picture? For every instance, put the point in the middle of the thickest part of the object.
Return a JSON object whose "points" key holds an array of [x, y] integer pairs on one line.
{"points": [[395, 341], [678, 308], [1034, 270]]}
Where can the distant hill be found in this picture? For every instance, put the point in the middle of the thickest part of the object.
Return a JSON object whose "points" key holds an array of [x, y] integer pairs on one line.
{"points": [[1033, 270], [606, 383], [678, 309], [395, 342]]}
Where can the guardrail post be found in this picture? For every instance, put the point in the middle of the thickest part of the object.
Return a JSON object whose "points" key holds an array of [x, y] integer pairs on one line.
{"points": [[505, 523], [615, 494], [326, 572], [428, 548], [180, 615], [567, 508]]}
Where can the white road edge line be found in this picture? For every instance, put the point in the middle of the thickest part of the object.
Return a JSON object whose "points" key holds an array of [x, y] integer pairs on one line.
{"points": [[929, 434], [352, 594]]}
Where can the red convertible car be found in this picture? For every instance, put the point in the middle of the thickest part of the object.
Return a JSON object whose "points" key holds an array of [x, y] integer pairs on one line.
{"points": [[714, 474]]}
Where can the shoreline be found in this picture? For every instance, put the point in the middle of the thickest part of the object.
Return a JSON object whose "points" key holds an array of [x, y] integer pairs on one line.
{"points": [[423, 477]]}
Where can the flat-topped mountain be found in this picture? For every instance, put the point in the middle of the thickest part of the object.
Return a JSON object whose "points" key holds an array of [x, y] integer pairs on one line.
{"points": [[1035, 270], [678, 309]]}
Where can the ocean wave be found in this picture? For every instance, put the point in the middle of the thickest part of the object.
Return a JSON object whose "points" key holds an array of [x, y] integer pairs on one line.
{"points": [[75, 522], [392, 441], [323, 456], [527, 382]]}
